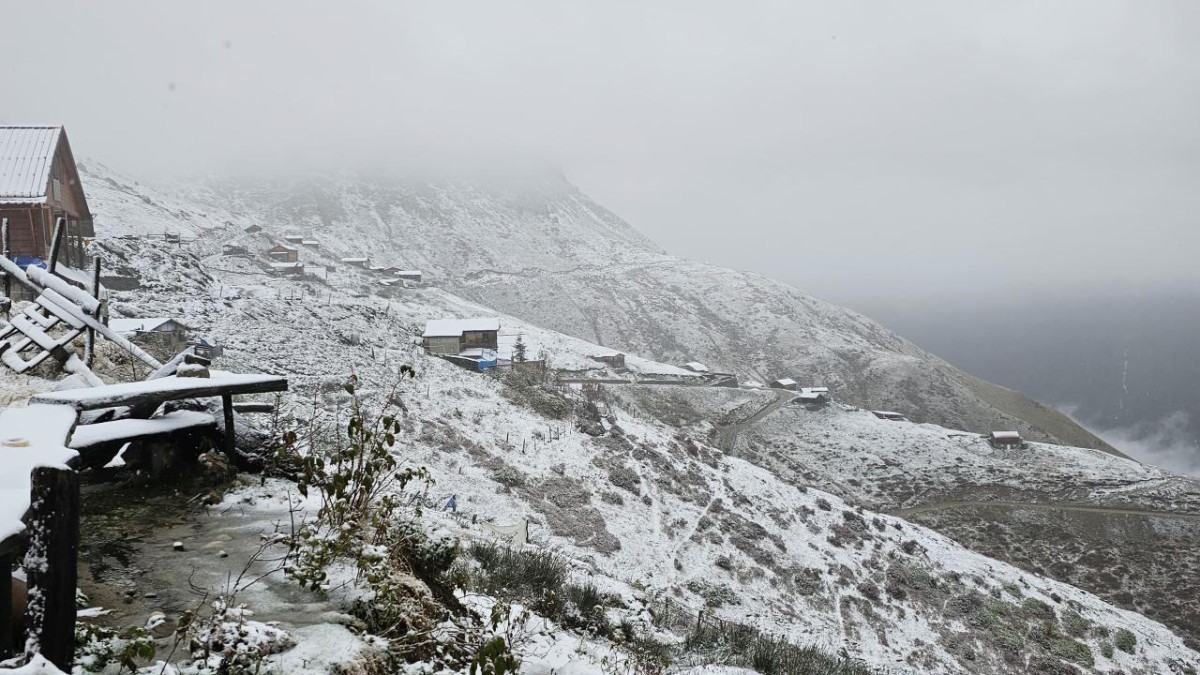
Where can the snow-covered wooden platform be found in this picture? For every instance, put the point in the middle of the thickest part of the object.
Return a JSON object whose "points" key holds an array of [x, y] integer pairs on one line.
{"points": [[40, 492], [120, 431], [170, 388], [30, 437]]}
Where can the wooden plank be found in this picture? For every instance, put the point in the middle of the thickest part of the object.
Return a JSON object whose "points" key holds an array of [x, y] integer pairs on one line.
{"points": [[89, 353], [163, 389], [55, 298], [58, 312], [54, 540], [88, 435], [5, 253], [254, 407]]}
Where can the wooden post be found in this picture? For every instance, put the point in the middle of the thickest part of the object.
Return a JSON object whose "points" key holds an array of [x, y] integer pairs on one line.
{"points": [[90, 350], [6, 606], [230, 436], [50, 565], [55, 244], [4, 250]]}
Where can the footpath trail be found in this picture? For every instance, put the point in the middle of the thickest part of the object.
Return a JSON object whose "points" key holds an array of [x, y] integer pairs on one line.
{"points": [[1040, 506], [727, 436]]}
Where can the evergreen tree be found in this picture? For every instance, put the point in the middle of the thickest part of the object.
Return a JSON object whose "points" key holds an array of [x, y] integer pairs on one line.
{"points": [[519, 349]]}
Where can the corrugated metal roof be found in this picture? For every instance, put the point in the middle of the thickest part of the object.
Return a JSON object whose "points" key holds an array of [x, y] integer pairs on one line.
{"points": [[26, 156]]}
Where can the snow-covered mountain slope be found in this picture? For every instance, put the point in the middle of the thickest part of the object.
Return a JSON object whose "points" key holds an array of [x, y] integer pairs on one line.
{"points": [[538, 249], [652, 508]]}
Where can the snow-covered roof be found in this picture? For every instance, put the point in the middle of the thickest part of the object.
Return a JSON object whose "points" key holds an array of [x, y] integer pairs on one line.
{"points": [[311, 242], [456, 327], [815, 390], [286, 265], [26, 156], [294, 237], [786, 381], [354, 260], [139, 325], [408, 273], [698, 367], [1007, 435]]}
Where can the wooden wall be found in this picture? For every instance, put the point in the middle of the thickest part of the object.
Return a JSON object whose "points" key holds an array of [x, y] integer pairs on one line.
{"points": [[26, 229]]}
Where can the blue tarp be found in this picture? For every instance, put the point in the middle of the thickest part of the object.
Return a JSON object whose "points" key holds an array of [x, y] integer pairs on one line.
{"points": [[24, 261]]}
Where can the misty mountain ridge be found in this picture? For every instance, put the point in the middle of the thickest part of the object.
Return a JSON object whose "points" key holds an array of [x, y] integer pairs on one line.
{"points": [[540, 249], [1123, 365], [716, 497]]}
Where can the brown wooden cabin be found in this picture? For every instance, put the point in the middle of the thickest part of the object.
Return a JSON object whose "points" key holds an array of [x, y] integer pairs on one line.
{"points": [[40, 183], [1006, 440], [283, 253], [453, 336]]}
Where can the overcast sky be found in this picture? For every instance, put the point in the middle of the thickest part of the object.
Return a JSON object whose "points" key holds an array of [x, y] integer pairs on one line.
{"points": [[858, 149]]}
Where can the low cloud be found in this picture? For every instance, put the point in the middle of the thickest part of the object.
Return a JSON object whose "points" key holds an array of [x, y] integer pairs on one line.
{"points": [[1167, 443]]}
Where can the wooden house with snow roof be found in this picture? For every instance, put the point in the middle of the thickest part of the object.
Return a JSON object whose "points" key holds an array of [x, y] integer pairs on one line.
{"points": [[453, 336], [39, 183]]}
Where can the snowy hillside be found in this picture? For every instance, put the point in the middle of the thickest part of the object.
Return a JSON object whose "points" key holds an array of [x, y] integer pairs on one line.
{"points": [[653, 507], [538, 249]]}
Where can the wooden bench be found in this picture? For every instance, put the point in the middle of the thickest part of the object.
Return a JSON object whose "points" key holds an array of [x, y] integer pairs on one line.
{"points": [[149, 394]]}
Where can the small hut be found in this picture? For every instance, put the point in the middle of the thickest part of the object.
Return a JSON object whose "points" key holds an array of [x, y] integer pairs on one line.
{"points": [[454, 336], [168, 334], [1006, 440], [785, 383], [253, 229], [283, 254]]}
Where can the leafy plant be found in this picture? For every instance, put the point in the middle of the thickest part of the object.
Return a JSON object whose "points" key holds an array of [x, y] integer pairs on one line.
{"points": [[97, 647]]}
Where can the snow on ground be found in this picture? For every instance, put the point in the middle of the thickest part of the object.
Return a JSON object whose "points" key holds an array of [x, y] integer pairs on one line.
{"points": [[900, 464], [644, 509]]}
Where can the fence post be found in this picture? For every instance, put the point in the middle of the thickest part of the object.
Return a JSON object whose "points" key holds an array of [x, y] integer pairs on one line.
{"points": [[6, 603], [50, 565], [5, 252], [90, 350], [55, 244]]}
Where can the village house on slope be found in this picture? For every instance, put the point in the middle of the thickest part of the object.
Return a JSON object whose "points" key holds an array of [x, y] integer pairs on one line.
{"points": [[283, 254], [785, 383], [470, 343], [39, 183], [453, 336], [1010, 440], [164, 336]]}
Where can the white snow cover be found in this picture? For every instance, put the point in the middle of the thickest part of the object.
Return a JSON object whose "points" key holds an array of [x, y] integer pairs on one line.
{"points": [[94, 434], [29, 437], [26, 157], [38, 665], [179, 387], [453, 410], [456, 327], [137, 325]]}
